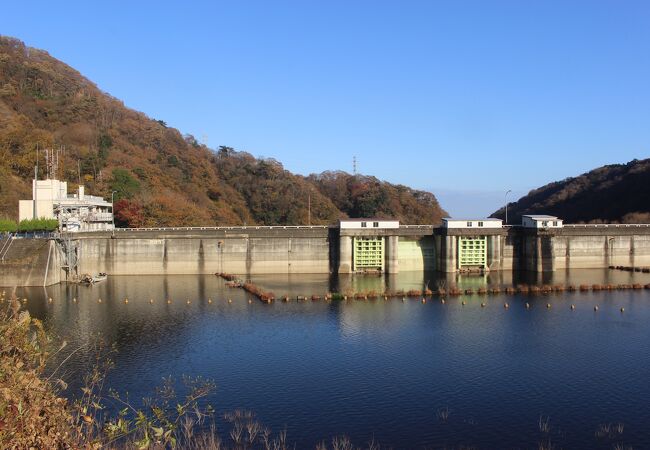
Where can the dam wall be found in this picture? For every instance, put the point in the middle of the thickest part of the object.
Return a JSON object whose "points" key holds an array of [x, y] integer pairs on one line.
{"points": [[548, 250], [247, 251], [416, 254], [585, 247], [244, 251], [30, 262]]}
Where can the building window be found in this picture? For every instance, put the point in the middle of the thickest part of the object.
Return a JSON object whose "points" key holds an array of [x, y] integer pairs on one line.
{"points": [[480, 224], [375, 224], [469, 224], [545, 223], [555, 223], [364, 225]]}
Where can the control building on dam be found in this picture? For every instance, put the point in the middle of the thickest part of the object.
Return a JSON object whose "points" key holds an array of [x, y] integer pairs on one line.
{"points": [[539, 244]]}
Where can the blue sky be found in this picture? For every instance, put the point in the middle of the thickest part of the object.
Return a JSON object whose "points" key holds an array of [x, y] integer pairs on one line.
{"points": [[465, 99]]}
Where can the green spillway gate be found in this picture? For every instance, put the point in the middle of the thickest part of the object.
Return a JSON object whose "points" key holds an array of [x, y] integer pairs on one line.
{"points": [[368, 253], [472, 251]]}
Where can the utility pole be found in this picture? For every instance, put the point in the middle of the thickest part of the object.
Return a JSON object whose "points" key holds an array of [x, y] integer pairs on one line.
{"points": [[113, 213], [505, 199], [35, 186], [35, 189], [309, 209]]}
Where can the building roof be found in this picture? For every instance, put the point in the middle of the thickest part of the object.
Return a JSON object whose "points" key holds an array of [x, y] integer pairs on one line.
{"points": [[369, 219], [489, 219], [539, 216]]}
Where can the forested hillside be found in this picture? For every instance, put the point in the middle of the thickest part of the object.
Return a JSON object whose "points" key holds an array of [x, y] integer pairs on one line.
{"points": [[364, 196], [162, 177], [614, 193]]}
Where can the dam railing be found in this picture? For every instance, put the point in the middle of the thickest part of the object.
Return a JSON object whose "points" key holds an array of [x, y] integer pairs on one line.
{"points": [[255, 227], [607, 225]]}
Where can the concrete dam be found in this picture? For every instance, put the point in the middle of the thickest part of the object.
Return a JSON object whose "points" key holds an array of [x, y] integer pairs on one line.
{"points": [[320, 249]]}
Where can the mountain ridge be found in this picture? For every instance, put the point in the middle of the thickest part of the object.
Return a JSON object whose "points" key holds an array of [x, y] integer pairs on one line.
{"points": [[161, 176], [614, 193]]}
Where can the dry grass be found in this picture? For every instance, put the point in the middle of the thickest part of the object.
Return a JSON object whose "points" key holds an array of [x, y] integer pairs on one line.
{"points": [[31, 414]]}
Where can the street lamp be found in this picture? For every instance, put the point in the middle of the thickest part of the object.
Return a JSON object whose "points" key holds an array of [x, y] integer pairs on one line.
{"points": [[505, 200]]}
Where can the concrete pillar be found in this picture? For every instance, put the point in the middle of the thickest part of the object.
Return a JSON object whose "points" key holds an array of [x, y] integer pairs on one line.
{"points": [[547, 254], [345, 254], [392, 257], [453, 255], [449, 252], [494, 252]]}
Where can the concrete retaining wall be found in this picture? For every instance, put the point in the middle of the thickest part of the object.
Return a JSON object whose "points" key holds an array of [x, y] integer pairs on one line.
{"points": [[316, 250], [416, 254], [237, 253], [586, 252], [31, 262], [586, 247]]}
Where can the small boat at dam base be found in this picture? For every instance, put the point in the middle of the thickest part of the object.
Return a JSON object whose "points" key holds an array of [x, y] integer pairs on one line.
{"points": [[92, 279]]}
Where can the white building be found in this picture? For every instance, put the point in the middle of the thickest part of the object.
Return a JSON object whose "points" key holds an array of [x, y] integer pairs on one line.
{"points": [[360, 224], [540, 221], [75, 212], [448, 222]]}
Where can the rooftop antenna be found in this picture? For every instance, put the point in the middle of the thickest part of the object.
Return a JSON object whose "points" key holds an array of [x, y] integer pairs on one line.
{"points": [[354, 165], [63, 162], [55, 163], [52, 162]]}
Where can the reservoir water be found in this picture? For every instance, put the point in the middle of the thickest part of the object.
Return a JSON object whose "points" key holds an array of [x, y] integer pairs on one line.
{"points": [[407, 374]]}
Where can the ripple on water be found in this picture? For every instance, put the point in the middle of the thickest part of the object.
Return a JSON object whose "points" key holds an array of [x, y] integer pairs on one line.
{"points": [[380, 368]]}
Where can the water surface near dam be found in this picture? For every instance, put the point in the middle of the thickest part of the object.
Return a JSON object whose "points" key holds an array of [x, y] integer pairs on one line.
{"points": [[381, 369]]}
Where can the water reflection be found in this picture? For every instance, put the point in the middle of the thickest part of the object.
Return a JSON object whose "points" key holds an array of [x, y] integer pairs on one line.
{"points": [[307, 285], [379, 368]]}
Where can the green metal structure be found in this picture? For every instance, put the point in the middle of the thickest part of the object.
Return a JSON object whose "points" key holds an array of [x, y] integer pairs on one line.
{"points": [[472, 251], [367, 253]]}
